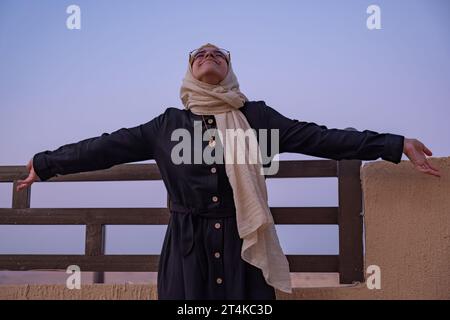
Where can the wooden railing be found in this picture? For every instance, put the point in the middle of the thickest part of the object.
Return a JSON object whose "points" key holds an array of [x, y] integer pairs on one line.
{"points": [[348, 215]]}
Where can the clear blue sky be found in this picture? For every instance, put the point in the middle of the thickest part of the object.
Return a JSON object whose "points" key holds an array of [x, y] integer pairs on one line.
{"points": [[311, 60]]}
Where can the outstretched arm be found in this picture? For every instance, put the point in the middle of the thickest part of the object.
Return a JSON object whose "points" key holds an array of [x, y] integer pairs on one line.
{"points": [[317, 140], [121, 146]]}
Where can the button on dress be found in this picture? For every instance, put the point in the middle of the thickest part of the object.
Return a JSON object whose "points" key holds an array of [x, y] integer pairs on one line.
{"points": [[201, 253]]}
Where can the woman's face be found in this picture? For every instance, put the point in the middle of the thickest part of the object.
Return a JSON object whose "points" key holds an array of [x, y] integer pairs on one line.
{"points": [[208, 67]]}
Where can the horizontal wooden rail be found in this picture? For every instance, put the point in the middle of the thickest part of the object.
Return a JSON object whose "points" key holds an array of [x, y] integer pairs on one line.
{"points": [[147, 216], [141, 263], [150, 171]]}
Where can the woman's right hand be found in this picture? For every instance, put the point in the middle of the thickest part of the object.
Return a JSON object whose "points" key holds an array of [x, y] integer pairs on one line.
{"points": [[32, 177]]}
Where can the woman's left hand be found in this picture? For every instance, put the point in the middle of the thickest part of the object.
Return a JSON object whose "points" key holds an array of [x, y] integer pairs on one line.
{"points": [[416, 151]]}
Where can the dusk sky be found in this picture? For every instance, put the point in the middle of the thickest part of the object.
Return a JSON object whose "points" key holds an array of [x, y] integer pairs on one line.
{"points": [[314, 61]]}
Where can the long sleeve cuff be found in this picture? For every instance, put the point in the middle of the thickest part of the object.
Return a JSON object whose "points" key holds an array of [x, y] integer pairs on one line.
{"points": [[41, 166], [393, 149]]}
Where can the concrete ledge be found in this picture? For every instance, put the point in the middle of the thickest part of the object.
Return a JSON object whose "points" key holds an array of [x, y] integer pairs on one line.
{"points": [[147, 292], [87, 292]]}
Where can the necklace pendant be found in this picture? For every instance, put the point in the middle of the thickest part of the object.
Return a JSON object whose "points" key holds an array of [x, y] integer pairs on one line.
{"points": [[212, 142]]}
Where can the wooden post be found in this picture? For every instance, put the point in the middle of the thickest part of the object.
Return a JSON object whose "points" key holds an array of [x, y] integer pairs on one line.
{"points": [[95, 246], [351, 259]]}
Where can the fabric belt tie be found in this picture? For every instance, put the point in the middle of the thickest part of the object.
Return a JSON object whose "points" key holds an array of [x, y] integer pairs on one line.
{"points": [[191, 225]]}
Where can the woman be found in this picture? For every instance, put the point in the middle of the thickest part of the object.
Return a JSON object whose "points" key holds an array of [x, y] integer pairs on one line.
{"points": [[220, 242]]}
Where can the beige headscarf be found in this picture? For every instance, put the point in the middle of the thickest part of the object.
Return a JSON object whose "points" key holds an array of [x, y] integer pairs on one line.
{"points": [[261, 246]]}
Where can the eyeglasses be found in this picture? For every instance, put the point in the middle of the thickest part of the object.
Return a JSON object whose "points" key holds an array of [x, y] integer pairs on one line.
{"points": [[200, 54]]}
